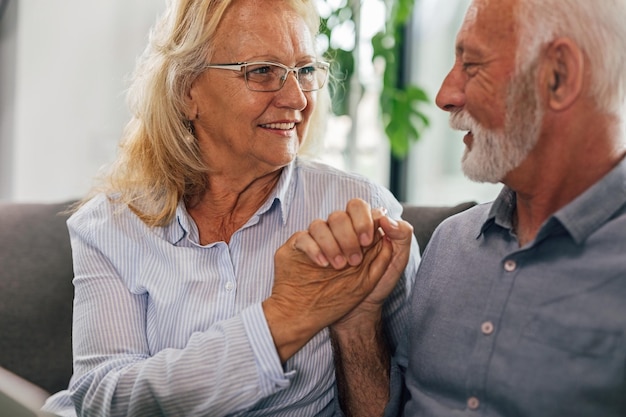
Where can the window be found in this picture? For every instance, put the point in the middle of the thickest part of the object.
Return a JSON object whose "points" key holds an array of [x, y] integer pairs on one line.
{"points": [[357, 142], [434, 168]]}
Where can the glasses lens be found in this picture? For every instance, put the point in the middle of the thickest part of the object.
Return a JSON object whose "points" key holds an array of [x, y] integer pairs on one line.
{"points": [[312, 77], [264, 77], [271, 77]]}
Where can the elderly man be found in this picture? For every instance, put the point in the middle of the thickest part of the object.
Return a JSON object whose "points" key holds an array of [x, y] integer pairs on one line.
{"points": [[519, 307]]}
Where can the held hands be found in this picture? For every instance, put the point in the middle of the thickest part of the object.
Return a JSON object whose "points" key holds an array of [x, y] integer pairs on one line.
{"points": [[338, 272], [399, 233], [346, 235]]}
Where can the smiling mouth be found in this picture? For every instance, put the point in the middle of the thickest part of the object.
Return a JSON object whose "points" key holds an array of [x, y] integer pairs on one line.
{"points": [[279, 126], [468, 139]]}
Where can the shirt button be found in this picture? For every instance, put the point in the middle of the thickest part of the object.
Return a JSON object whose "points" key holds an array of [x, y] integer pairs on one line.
{"points": [[510, 265], [487, 328], [229, 286], [473, 403]]}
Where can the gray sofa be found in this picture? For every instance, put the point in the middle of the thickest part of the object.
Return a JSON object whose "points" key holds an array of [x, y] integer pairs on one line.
{"points": [[36, 299]]}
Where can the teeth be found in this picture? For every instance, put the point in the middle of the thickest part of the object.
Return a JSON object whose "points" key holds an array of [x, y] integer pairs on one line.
{"points": [[281, 126]]}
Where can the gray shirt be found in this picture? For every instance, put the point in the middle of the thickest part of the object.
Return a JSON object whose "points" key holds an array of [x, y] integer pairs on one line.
{"points": [[499, 330]]}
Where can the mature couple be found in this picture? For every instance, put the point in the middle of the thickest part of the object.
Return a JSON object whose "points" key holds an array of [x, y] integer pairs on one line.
{"points": [[220, 272]]}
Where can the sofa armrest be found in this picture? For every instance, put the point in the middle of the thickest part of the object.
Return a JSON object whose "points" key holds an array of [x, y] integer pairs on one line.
{"points": [[19, 397]]}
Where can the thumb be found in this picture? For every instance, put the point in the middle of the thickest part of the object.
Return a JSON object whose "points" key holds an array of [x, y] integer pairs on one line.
{"points": [[382, 258], [398, 231]]}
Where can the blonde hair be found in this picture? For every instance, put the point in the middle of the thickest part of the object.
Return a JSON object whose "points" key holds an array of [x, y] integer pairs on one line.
{"points": [[156, 165]]}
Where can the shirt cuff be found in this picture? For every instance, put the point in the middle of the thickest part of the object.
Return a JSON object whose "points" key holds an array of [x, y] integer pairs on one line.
{"points": [[272, 376]]}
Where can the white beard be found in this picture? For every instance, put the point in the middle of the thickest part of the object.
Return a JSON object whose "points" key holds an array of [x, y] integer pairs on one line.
{"points": [[494, 153]]}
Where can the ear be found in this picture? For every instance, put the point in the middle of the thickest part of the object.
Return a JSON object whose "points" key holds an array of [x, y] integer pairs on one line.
{"points": [[562, 73], [191, 105]]}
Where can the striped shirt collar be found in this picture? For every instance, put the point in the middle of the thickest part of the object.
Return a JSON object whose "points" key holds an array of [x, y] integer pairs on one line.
{"points": [[282, 196]]}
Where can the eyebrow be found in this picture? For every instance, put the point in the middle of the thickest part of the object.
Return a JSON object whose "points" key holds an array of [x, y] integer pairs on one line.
{"points": [[461, 48], [272, 58]]}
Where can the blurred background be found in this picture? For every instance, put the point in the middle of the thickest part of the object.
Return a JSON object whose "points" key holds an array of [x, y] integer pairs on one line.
{"points": [[64, 69]]}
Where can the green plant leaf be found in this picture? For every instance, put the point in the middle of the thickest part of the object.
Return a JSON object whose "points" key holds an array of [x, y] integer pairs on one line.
{"points": [[400, 105]]}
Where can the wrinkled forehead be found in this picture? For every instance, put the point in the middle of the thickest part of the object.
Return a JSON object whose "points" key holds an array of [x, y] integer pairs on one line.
{"points": [[252, 29], [492, 21]]}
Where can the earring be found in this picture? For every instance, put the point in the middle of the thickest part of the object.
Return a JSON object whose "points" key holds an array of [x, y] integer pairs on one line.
{"points": [[190, 137]]}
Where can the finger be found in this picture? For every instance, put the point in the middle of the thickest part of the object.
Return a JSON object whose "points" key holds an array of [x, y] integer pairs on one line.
{"points": [[399, 231], [379, 212], [342, 228], [325, 239], [379, 257], [400, 235], [360, 214], [304, 242]]}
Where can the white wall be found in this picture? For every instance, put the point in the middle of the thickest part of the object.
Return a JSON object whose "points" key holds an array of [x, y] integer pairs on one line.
{"points": [[8, 30], [72, 59]]}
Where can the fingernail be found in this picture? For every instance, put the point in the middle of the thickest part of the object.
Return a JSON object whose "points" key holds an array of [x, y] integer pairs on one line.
{"points": [[355, 259], [383, 210], [322, 261], [364, 239], [393, 223], [340, 261]]}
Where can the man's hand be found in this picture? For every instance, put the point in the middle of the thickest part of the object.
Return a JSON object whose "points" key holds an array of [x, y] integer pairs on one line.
{"points": [[308, 297], [361, 353], [342, 239]]}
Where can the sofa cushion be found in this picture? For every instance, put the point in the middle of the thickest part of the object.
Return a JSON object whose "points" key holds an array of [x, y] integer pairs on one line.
{"points": [[36, 291], [426, 218]]}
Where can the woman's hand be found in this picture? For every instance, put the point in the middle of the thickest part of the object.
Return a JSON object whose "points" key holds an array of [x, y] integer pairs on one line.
{"points": [[339, 272], [344, 237], [307, 297]]}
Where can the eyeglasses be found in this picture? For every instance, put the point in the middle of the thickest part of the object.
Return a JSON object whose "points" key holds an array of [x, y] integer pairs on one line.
{"points": [[271, 76]]}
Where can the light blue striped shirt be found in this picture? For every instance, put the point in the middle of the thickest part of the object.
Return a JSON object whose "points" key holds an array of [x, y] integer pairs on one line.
{"points": [[165, 326]]}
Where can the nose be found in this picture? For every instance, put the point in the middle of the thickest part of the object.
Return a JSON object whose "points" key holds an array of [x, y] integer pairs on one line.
{"points": [[293, 71], [451, 95], [291, 94]]}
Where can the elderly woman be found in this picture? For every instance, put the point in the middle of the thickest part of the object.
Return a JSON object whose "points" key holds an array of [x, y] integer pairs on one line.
{"points": [[177, 310]]}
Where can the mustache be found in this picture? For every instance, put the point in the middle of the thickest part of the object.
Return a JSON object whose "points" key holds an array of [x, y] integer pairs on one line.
{"points": [[461, 120]]}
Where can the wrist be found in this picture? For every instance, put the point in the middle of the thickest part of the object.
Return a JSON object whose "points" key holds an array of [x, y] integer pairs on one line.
{"points": [[365, 327], [362, 367], [364, 320], [290, 331]]}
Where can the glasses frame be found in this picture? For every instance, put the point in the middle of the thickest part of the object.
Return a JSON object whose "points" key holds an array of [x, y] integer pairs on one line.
{"points": [[241, 67]]}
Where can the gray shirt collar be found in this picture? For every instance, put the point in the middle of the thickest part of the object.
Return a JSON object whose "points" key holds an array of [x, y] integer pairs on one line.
{"points": [[580, 218]]}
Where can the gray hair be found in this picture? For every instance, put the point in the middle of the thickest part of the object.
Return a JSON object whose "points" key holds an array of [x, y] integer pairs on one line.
{"points": [[598, 27]]}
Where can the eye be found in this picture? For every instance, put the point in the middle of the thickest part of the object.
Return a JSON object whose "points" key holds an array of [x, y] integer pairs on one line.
{"points": [[470, 67], [259, 70], [308, 70]]}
